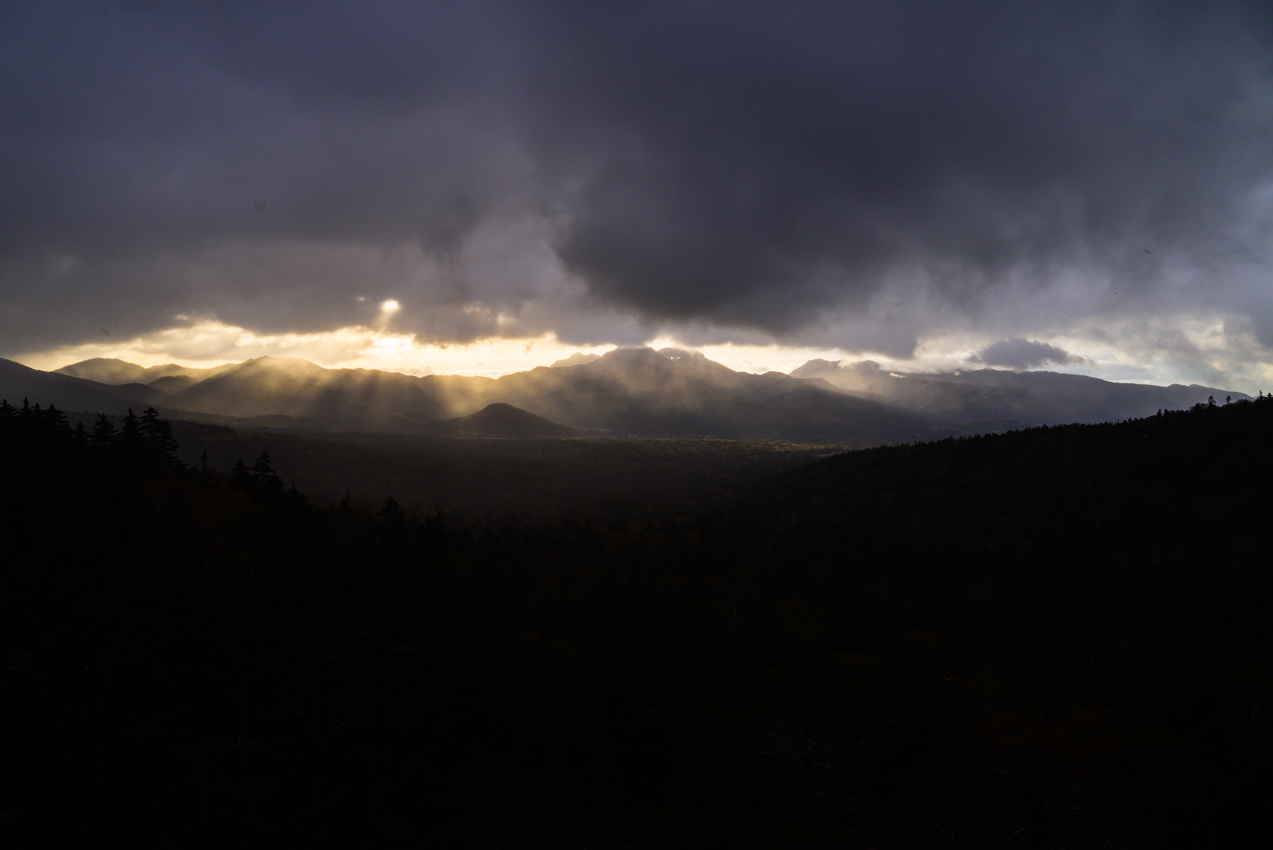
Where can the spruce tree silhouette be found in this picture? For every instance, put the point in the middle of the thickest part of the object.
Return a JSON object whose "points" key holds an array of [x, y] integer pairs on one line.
{"points": [[264, 480], [157, 434], [129, 441], [55, 420], [240, 476], [390, 514], [103, 431]]}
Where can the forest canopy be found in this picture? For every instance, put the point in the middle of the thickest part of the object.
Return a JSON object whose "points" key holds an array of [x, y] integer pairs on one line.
{"points": [[1050, 637]]}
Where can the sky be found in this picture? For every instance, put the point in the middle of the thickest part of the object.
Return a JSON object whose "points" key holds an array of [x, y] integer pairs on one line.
{"points": [[482, 187]]}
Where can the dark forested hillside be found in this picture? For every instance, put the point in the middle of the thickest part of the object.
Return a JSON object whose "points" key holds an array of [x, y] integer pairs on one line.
{"points": [[1048, 638], [525, 478]]}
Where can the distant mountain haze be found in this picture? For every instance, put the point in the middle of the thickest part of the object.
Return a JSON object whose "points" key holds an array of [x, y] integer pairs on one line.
{"points": [[360, 398], [576, 359], [173, 384], [70, 393], [498, 420], [635, 391], [1035, 398], [108, 370]]}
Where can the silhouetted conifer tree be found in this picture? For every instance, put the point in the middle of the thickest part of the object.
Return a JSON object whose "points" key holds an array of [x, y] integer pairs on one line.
{"points": [[264, 480], [56, 420], [129, 439], [390, 514], [157, 434], [103, 431], [240, 475]]}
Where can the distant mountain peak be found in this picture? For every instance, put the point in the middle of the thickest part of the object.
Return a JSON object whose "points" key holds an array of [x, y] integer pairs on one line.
{"points": [[681, 354], [269, 359], [281, 364], [106, 370], [110, 370], [821, 368], [95, 361], [576, 359], [500, 420]]}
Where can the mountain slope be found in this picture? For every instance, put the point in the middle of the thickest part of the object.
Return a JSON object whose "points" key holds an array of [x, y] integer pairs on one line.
{"points": [[68, 393], [498, 420], [642, 391], [630, 391], [1036, 398], [636, 391], [108, 370], [348, 398], [173, 384]]}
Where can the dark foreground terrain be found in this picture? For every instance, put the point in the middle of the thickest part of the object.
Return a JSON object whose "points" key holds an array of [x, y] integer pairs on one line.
{"points": [[507, 479], [1048, 638]]}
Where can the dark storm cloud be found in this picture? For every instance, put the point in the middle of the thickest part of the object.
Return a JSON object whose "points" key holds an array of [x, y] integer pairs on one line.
{"points": [[788, 160], [755, 166], [1020, 353]]}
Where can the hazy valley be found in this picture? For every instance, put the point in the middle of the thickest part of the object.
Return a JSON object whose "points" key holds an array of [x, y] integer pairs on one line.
{"points": [[631, 392]]}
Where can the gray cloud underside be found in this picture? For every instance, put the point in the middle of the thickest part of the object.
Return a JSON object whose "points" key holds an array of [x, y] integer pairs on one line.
{"points": [[597, 169], [1018, 353]]}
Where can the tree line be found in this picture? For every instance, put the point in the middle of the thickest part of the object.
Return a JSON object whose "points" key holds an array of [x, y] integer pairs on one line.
{"points": [[1052, 637]]}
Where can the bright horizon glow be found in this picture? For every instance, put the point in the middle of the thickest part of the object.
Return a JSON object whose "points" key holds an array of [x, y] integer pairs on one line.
{"points": [[211, 343], [207, 344]]}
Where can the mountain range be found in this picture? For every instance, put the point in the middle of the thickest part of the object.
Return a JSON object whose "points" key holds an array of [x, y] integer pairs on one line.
{"points": [[1035, 398], [626, 391]]}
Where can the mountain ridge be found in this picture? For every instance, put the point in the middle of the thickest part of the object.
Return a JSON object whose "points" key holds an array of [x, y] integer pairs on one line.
{"points": [[1033, 397], [116, 372], [636, 391], [499, 420]]}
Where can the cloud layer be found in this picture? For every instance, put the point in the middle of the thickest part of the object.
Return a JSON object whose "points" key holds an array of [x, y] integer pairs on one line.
{"points": [[866, 176], [1018, 353]]}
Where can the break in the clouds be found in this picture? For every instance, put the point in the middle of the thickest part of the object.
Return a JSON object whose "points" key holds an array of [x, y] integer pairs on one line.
{"points": [[868, 176]]}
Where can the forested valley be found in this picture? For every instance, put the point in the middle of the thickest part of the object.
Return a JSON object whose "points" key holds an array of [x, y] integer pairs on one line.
{"points": [[1053, 637]]}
